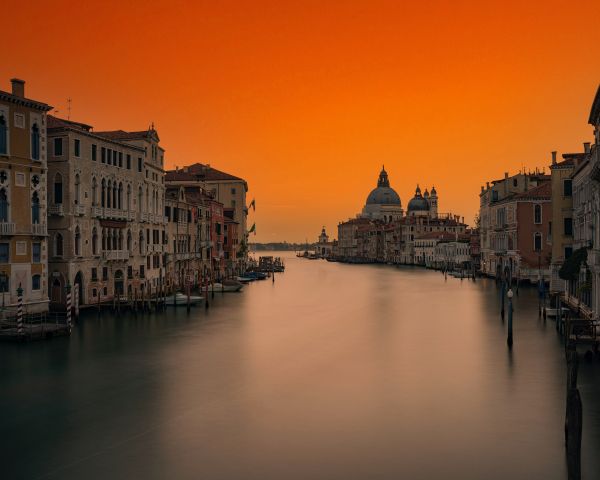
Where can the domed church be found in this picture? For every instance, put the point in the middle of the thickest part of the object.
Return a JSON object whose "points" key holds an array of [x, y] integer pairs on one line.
{"points": [[383, 203]]}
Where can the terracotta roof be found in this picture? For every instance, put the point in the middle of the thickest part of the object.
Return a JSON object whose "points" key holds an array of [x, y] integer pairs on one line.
{"points": [[541, 191], [9, 97], [123, 135], [200, 171], [55, 122]]}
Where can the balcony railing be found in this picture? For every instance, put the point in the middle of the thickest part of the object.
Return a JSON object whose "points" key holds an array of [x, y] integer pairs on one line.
{"points": [[130, 216], [116, 254], [39, 229], [78, 209], [56, 209], [7, 228], [96, 211], [143, 216]]}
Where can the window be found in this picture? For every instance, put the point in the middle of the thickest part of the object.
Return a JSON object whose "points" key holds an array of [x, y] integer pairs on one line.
{"points": [[121, 159], [4, 252], [233, 191], [35, 208], [35, 142], [58, 151], [568, 226], [103, 154], [94, 274], [568, 252], [494, 195], [36, 252], [537, 214], [142, 271], [4, 282], [58, 189], [58, 245], [3, 136], [537, 242], [140, 164], [114, 162], [36, 282], [128, 161], [77, 147], [515, 182], [94, 152], [567, 187], [3, 206]]}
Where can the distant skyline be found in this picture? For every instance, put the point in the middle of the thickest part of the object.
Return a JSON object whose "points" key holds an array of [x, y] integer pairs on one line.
{"points": [[306, 100]]}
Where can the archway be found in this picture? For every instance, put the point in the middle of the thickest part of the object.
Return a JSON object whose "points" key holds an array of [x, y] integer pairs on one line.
{"points": [[57, 290], [79, 283]]}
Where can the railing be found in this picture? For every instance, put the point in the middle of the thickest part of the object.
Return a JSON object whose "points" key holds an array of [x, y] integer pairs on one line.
{"points": [[116, 254], [78, 209], [56, 209], [96, 211], [40, 229], [131, 216], [7, 228], [143, 216]]}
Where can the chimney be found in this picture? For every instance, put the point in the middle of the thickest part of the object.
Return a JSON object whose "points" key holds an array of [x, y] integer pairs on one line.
{"points": [[554, 158], [586, 147], [18, 87], [487, 184], [505, 174]]}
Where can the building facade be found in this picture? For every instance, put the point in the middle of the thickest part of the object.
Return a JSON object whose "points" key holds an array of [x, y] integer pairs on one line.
{"points": [[23, 200]]}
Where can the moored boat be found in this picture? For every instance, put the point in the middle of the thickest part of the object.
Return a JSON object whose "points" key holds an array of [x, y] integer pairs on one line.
{"points": [[181, 300]]}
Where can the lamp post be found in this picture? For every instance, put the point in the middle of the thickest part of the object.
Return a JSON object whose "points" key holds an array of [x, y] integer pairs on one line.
{"points": [[509, 338]]}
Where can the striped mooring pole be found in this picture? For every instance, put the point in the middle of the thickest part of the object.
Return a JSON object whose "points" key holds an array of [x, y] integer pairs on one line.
{"points": [[76, 301], [19, 310], [69, 307]]}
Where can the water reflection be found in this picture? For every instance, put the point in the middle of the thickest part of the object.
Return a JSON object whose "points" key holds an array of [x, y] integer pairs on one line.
{"points": [[334, 371]]}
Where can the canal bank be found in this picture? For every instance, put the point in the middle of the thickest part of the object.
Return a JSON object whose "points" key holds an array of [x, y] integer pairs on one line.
{"points": [[334, 371]]}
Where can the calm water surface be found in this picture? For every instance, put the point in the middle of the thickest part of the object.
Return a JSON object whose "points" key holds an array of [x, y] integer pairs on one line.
{"points": [[332, 372]]}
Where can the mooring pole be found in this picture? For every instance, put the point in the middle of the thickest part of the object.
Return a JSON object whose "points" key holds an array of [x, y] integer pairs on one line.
{"points": [[502, 290], [19, 311], [509, 338], [69, 307]]}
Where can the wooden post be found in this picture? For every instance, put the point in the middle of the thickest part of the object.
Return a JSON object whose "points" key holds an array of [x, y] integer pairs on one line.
{"points": [[502, 299], [574, 417], [206, 294], [509, 339], [19, 311], [69, 307]]}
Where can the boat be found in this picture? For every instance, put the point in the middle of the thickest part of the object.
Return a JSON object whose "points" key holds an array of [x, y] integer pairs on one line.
{"points": [[226, 286], [255, 275], [181, 300], [245, 279]]}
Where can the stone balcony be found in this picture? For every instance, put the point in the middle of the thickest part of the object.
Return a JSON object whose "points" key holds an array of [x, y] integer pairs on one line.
{"points": [[7, 228], [56, 209], [79, 210], [39, 229], [143, 216], [116, 254]]}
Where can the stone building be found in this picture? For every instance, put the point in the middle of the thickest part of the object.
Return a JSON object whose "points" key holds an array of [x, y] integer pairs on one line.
{"points": [[230, 191], [106, 223], [23, 199], [562, 213]]}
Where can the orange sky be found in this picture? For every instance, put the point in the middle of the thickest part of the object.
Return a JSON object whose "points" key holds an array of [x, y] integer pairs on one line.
{"points": [[307, 99]]}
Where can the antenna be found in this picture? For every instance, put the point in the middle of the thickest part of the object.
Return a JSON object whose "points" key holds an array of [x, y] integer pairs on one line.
{"points": [[69, 108]]}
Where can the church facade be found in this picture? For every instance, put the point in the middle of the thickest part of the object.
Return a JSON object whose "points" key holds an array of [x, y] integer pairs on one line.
{"points": [[385, 232]]}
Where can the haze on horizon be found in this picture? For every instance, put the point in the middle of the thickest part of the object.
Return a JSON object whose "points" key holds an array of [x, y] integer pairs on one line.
{"points": [[306, 100]]}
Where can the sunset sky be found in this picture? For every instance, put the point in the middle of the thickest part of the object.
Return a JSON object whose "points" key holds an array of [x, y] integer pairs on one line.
{"points": [[307, 99]]}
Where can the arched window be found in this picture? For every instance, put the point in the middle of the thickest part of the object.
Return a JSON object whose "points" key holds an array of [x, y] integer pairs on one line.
{"points": [[3, 136], [94, 241], [58, 245], [140, 195], [120, 239], [94, 191], [35, 142], [142, 246], [120, 198], [128, 205], [77, 241], [104, 239], [114, 193], [35, 208], [103, 199], [129, 245], [537, 242], [3, 205], [58, 189], [537, 213], [114, 240], [77, 190], [36, 282], [108, 194]]}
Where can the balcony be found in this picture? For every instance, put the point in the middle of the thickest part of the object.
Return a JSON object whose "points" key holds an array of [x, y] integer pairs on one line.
{"points": [[7, 228], [143, 216], [96, 211], [39, 229], [79, 210], [116, 254], [56, 209], [131, 216]]}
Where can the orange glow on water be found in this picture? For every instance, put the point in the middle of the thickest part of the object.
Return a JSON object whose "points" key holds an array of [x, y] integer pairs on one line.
{"points": [[306, 100]]}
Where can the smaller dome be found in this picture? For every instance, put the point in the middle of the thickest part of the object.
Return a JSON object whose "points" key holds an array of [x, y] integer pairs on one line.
{"points": [[426, 194], [418, 204]]}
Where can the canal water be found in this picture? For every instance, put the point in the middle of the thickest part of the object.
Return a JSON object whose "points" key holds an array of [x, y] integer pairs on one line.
{"points": [[332, 372]]}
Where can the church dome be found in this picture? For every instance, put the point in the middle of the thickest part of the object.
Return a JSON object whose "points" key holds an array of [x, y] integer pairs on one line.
{"points": [[418, 203], [383, 194]]}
